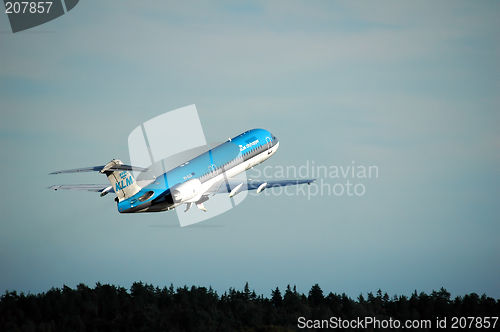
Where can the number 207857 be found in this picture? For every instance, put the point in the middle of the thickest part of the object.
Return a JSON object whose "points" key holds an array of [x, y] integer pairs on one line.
{"points": [[27, 7]]}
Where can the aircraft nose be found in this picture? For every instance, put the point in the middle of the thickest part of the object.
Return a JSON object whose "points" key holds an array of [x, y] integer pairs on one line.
{"points": [[275, 143]]}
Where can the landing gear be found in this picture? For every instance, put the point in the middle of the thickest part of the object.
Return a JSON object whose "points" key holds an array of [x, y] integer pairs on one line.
{"points": [[188, 207], [201, 207]]}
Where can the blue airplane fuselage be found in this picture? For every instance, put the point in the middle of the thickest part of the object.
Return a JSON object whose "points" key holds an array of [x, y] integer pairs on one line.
{"points": [[228, 159]]}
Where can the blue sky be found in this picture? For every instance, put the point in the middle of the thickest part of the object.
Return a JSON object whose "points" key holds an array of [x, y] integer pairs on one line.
{"points": [[412, 88]]}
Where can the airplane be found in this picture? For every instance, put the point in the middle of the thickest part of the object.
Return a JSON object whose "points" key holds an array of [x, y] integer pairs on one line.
{"points": [[191, 182]]}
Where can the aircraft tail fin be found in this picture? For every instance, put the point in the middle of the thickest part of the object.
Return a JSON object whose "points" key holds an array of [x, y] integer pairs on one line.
{"points": [[121, 180]]}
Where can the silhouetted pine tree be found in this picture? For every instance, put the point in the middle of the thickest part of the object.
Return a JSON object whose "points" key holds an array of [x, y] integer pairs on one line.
{"points": [[145, 307]]}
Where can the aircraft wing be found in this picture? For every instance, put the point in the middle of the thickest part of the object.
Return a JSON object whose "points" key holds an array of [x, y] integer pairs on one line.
{"points": [[233, 186], [85, 187]]}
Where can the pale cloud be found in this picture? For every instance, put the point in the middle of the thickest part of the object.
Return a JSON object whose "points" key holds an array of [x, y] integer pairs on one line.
{"points": [[229, 45]]}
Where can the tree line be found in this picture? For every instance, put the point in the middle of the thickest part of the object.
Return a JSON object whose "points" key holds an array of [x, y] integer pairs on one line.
{"points": [[147, 308]]}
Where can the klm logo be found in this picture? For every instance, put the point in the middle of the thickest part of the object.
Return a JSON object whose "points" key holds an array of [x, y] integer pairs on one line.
{"points": [[124, 183]]}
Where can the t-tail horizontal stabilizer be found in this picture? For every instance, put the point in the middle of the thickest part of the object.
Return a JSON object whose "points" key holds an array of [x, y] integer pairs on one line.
{"points": [[103, 168], [122, 182]]}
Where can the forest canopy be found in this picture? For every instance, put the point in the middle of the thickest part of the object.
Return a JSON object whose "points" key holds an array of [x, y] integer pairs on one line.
{"points": [[146, 307]]}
